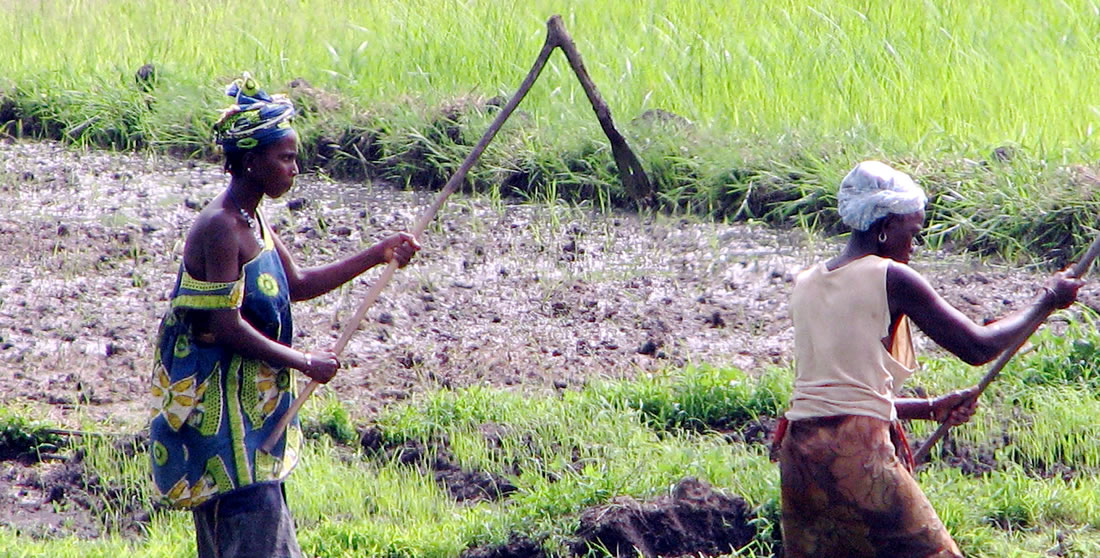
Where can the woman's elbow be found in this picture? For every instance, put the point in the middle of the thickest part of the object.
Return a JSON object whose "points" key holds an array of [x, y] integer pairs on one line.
{"points": [[978, 354], [225, 326]]}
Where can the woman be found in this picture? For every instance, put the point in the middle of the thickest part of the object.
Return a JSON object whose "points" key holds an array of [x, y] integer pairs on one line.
{"points": [[847, 487], [222, 373]]}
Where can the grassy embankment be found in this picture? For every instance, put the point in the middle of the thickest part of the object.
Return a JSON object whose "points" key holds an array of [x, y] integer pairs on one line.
{"points": [[784, 97], [1030, 484]]}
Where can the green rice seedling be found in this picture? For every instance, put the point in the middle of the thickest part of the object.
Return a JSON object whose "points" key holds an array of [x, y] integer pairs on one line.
{"points": [[702, 397], [329, 416], [1055, 429], [350, 508], [1009, 511], [1069, 359], [19, 434]]}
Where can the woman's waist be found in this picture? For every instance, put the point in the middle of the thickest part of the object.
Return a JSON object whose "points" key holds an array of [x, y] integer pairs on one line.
{"points": [[834, 400]]}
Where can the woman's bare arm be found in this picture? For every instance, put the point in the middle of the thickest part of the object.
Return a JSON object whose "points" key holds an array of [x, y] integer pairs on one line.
{"points": [[315, 281], [910, 294]]}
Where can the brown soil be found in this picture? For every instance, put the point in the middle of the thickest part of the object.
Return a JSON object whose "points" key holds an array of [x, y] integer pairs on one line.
{"points": [[535, 297], [694, 520], [435, 458], [516, 547], [55, 496]]}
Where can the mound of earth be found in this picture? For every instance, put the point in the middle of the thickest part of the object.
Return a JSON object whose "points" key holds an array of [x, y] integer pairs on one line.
{"points": [[694, 520], [516, 547]]}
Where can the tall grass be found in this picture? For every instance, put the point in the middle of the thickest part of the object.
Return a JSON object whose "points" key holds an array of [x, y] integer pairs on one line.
{"points": [[917, 77], [990, 106]]}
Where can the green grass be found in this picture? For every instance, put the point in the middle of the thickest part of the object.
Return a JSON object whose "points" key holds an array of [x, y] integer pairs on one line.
{"points": [[927, 77], [784, 98], [19, 434], [567, 452]]}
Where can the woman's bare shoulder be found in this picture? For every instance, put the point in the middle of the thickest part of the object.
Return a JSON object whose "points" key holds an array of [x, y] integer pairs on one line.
{"points": [[213, 236]]}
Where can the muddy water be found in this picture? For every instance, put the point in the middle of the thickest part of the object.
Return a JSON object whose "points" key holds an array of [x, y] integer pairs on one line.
{"points": [[539, 297]]}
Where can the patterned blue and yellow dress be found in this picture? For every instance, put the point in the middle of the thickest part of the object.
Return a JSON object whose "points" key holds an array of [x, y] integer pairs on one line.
{"points": [[213, 408]]}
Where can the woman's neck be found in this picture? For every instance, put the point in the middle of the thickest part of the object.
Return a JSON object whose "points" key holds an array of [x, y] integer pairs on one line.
{"points": [[245, 198], [859, 245]]}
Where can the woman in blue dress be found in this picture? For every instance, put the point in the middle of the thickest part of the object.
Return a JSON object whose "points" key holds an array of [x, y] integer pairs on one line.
{"points": [[223, 371]]}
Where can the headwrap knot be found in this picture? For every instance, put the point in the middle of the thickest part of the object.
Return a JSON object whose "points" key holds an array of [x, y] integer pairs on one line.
{"points": [[873, 190], [256, 119]]}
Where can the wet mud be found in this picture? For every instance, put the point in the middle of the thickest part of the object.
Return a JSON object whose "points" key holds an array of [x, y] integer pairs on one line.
{"points": [[693, 520], [53, 495], [434, 457], [538, 298]]}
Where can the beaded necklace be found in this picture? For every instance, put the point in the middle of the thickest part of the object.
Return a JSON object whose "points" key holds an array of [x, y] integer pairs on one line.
{"points": [[248, 218]]}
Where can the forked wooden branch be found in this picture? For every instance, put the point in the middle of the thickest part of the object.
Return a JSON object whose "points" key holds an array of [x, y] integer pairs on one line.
{"points": [[1078, 270], [633, 176]]}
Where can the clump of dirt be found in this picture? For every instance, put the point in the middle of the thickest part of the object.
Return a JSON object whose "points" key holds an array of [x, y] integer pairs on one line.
{"points": [[694, 520], [60, 498], [516, 547], [969, 459], [464, 485], [755, 431]]}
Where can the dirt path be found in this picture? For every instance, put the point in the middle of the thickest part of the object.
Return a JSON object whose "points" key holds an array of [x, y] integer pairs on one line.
{"points": [[506, 294]]}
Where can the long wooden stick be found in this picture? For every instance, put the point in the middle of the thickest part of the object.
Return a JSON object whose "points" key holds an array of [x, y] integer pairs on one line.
{"points": [[452, 185], [1078, 270]]}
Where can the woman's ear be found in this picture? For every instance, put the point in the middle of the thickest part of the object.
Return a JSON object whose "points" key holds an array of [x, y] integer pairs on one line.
{"points": [[879, 229], [246, 162]]}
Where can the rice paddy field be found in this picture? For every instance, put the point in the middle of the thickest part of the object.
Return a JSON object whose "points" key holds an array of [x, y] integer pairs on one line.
{"points": [[742, 113]]}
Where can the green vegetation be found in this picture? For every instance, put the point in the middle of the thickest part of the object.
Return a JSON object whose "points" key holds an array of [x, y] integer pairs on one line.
{"points": [[20, 435], [1028, 482], [768, 103]]}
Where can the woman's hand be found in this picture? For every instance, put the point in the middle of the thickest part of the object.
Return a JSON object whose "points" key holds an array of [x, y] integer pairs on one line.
{"points": [[1061, 290], [957, 407], [320, 365], [400, 247]]}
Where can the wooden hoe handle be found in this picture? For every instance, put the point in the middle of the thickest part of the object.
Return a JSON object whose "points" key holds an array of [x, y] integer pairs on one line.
{"points": [[1079, 270], [552, 41]]}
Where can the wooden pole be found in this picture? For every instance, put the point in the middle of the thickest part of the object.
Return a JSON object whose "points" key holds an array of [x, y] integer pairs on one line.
{"points": [[1078, 270], [422, 223]]}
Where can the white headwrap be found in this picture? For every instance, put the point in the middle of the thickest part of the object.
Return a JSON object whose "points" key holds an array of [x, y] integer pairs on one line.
{"points": [[874, 190]]}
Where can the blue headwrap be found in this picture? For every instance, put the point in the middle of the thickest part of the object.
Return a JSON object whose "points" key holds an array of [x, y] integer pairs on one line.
{"points": [[257, 119]]}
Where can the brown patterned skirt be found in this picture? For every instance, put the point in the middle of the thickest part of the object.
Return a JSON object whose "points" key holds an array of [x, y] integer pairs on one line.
{"points": [[846, 493]]}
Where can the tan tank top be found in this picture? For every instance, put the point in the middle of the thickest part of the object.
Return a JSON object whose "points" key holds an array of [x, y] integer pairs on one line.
{"points": [[841, 367]]}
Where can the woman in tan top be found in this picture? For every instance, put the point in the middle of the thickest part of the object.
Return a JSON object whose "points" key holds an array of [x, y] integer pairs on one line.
{"points": [[847, 486]]}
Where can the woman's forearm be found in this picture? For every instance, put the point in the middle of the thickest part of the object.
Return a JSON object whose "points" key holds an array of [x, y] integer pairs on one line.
{"points": [[230, 330], [911, 408], [316, 281]]}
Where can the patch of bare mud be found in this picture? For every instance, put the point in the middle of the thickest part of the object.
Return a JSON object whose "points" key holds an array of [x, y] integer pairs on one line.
{"points": [[538, 297], [434, 458], [516, 547], [57, 497]]}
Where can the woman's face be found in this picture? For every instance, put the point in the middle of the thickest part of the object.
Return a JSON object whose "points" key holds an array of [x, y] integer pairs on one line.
{"points": [[900, 230], [275, 167]]}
